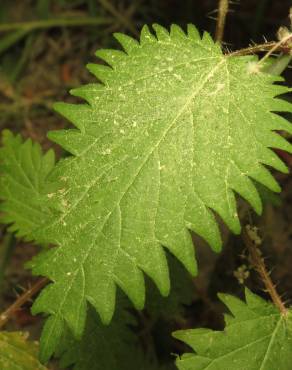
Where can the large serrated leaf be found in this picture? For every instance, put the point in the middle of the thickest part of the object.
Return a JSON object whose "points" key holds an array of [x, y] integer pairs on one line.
{"points": [[17, 353], [257, 337], [174, 130]]}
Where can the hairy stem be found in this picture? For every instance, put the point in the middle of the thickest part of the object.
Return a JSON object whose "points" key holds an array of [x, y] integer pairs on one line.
{"points": [[21, 300], [253, 49], [283, 41], [222, 13], [260, 267], [270, 47]]}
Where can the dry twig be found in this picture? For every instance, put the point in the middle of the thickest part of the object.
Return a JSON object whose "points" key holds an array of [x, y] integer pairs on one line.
{"points": [[222, 13], [21, 300]]}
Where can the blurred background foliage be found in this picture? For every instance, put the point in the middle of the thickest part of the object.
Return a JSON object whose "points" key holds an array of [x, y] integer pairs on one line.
{"points": [[44, 47]]}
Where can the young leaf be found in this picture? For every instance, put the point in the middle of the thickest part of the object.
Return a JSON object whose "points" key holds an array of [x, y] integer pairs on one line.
{"points": [[174, 131], [17, 353], [257, 337]]}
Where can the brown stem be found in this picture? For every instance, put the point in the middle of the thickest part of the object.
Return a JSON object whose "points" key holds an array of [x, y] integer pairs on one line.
{"points": [[222, 13], [284, 41], [260, 267], [21, 300], [253, 49], [284, 48]]}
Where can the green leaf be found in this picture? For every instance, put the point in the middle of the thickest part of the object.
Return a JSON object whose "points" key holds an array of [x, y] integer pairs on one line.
{"points": [[257, 337], [174, 130], [17, 353], [24, 185]]}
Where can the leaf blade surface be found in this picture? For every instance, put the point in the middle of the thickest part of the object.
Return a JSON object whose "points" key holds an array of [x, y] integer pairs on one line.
{"points": [[256, 336]]}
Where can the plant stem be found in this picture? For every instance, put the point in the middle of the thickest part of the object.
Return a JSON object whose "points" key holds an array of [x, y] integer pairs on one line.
{"points": [[21, 300], [280, 63], [270, 47], [260, 267], [55, 22], [253, 49], [222, 13], [285, 40]]}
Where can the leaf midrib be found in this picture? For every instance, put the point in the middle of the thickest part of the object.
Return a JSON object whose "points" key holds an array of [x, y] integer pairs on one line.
{"points": [[184, 108], [271, 342], [147, 157]]}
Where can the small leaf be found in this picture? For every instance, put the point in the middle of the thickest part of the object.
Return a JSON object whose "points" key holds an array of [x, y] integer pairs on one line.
{"points": [[256, 337]]}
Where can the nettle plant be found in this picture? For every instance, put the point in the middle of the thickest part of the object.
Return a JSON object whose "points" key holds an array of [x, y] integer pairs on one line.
{"points": [[172, 132]]}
